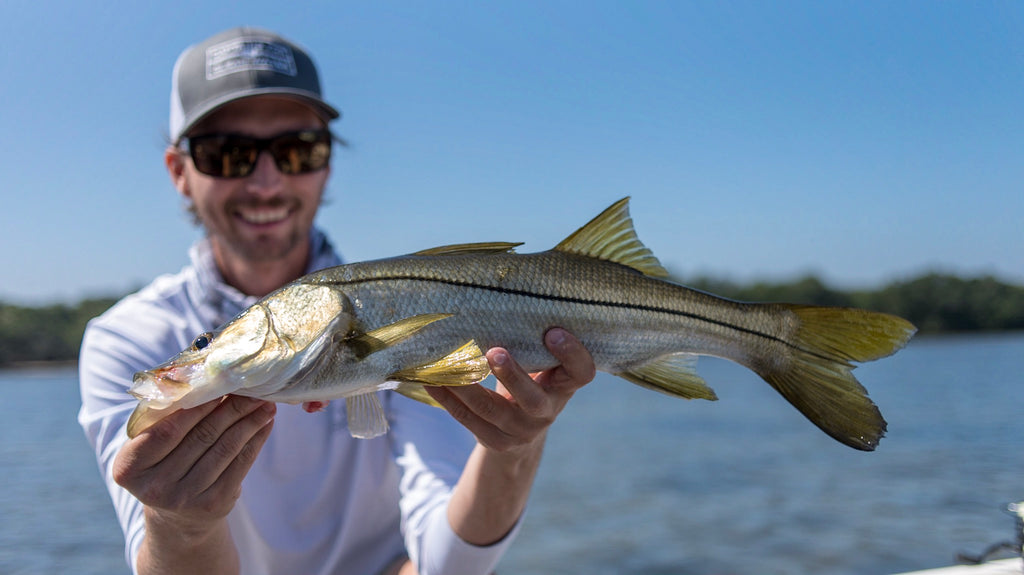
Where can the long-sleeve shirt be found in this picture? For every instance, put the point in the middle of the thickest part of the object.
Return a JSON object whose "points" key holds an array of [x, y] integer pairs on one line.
{"points": [[316, 501]]}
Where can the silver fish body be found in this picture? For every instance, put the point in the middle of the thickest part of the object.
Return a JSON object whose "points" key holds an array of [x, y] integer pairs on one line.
{"points": [[624, 318], [424, 319]]}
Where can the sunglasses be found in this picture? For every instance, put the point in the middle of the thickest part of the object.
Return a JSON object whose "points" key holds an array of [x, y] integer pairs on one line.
{"points": [[235, 156]]}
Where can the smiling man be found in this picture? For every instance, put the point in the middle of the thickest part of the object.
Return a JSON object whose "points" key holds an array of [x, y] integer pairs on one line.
{"points": [[239, 485]]}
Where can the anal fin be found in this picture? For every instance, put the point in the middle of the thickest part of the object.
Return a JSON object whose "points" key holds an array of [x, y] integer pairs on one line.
{"points": [[463, 366], [673, 374]]}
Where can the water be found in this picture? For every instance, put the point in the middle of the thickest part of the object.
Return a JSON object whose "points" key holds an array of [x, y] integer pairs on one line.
{"points": [[634, 482], [55, 514]]}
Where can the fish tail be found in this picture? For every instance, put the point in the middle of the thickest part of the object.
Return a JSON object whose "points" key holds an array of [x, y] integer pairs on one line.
{"points": [[816, 376]]}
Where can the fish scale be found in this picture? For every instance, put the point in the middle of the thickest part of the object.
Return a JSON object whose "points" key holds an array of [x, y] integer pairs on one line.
{"points": [[514, 308]]}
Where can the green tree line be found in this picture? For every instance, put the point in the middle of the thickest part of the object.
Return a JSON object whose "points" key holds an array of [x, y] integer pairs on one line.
{"points": [[934, 302], [48, 333]]}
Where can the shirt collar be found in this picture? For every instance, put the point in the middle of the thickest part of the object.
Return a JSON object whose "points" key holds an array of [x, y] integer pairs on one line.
{"points": [[223, 301]]}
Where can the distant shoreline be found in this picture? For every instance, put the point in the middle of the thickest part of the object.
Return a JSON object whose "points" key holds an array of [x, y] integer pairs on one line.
{"points": [[57, 364]]}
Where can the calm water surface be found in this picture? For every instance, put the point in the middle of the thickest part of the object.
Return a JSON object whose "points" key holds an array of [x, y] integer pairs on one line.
{"points": [[636, 482]]}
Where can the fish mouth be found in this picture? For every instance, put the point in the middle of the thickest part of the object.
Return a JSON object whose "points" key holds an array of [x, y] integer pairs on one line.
{"points": [[158, 388]]}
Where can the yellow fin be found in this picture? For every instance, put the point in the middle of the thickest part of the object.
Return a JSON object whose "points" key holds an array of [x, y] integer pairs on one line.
{"points": [[674, 374], [610, 236], [818, 380], [383, 337], [418, 392], [463, 366], [469, 249]]}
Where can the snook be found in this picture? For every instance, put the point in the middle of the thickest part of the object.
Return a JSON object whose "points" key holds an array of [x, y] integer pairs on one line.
{"points": [[424, 319]]}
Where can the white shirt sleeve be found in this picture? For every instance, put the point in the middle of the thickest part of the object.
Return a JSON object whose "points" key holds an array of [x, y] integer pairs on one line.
{"points": [[107, 361], [431, 449]]}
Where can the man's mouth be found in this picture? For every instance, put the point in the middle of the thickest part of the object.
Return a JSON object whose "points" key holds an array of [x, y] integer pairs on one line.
{"points": [[262, 215]]}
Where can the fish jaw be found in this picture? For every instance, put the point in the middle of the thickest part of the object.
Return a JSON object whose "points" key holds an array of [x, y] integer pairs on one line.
{"points": [[165, 389], [160, 387]]}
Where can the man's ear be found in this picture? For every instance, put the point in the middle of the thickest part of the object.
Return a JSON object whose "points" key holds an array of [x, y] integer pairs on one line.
{"points": [[175, 161]]}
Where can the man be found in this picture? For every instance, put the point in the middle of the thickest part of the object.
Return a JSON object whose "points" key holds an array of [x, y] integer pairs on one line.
{"points": [[242, 485]]}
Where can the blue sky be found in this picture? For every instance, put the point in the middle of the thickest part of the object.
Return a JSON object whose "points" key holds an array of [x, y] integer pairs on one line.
{"points": [[861, 141]]}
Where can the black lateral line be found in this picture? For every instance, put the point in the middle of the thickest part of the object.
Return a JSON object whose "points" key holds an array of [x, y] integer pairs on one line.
{"points": [[575, 300]]}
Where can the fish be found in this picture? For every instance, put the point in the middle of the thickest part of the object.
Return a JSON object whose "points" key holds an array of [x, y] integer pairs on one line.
{"points": [[425, 319]]}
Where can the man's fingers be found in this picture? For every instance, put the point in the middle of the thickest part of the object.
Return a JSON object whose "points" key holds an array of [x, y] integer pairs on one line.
{"points": [[218, 440], [236, 470], [519, 384], [462, 402], [577, 366], [205, 433], [204, 470], [156, 442]]}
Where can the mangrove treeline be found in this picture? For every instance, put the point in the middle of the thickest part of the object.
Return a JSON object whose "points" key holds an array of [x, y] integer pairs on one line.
{"points": [[935, 303]]}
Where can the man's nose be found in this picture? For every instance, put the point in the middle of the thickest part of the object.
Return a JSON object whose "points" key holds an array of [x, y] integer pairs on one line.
{"points": [[265, 176]]}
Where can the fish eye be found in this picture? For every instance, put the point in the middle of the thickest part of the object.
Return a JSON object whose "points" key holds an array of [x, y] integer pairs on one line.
{"points": [[202, 341]]}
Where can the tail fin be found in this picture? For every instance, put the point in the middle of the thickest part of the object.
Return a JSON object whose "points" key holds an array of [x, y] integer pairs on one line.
{"points": [[818, 380]]}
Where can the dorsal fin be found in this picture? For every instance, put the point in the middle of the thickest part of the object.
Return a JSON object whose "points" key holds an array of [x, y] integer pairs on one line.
{"points": [[483, 248], [610, 236]]}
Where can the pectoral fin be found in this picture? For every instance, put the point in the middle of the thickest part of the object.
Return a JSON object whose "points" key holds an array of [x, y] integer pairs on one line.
{"points": [[387, 336], [366, 417], [463, 366], [674, 374]]}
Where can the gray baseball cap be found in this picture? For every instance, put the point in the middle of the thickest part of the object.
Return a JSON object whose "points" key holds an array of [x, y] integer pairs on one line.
{"points": [[239, 63]]}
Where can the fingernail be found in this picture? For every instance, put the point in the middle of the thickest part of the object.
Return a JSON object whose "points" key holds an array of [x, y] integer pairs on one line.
{"points": [[499, 358], [556, 336]]}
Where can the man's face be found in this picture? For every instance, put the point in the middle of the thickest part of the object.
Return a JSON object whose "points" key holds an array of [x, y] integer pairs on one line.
{"points": [[266, 215]]}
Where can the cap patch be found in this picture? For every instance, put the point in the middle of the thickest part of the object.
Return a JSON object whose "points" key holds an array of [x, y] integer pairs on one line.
{"points": [[249, 54]]}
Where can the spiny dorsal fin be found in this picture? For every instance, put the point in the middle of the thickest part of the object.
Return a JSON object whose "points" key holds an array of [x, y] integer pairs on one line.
{"points": [[383, 337], [610, 236], [674, 374], [463, 366], [484, 248]]}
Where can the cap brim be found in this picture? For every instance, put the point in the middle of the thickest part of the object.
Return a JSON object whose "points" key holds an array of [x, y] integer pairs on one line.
{"points": [[322, 109]]}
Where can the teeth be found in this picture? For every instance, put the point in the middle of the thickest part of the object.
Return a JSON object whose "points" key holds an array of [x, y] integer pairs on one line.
{"points": [[263, 215]]}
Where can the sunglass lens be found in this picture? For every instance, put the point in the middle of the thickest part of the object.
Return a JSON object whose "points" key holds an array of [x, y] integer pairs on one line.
{"points": [[301, 152], [233, 156], [223, 156]]}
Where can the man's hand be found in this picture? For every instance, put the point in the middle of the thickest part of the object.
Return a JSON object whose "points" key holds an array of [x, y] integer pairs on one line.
{"points": [[522, 408], [187, 471], [510, 425]]}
